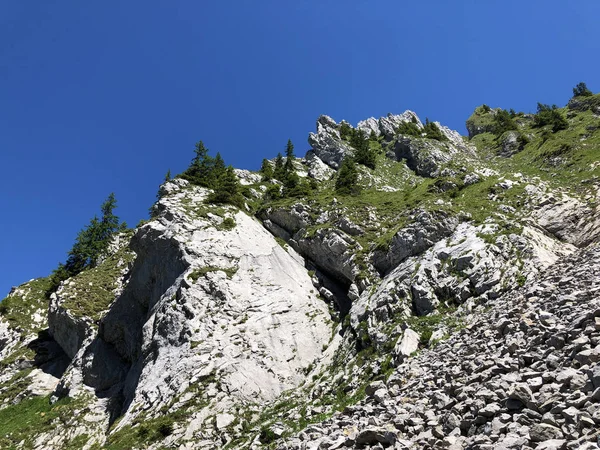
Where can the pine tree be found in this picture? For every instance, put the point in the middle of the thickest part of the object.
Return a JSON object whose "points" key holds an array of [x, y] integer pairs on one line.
{"points": [[218, 169], [85, 250], [201, 170], [581, 90], [168, 176], [432, 131], [364, 155], [409, 129], [289, 158], [345, 130], [503, 122], [90, 244], [266, 170], [550, 115], [347, 178], [227, 189], [290, 183], [278, 172]]}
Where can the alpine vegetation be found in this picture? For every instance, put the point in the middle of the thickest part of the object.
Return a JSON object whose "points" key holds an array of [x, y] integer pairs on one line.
{"points": [[399, 286]]}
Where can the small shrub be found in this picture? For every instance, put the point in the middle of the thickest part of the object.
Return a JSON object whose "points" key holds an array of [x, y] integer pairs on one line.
{"points": [[409, 129], [143, 432], [432, 131], [503, 122], [228, 224], [550, 115], [273, 192], [267, 436], [165, 429]]}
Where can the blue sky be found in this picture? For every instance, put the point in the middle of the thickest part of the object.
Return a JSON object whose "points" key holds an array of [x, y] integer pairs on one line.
{"points": [[100, 97]]}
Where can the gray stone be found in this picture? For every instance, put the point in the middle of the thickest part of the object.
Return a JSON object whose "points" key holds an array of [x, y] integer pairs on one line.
{"points": [[327, 144], [372, 436], [552, 444], [543, 432], [407, 344]]}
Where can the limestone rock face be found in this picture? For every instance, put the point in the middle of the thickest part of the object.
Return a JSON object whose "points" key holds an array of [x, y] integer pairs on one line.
{"points": [[390, 123], [317, 169], [424, 230], [327, 144], [427, 157], [569, 219], [201, 304], [70, 332], [465, 264], [8, 338], [333, 251]]}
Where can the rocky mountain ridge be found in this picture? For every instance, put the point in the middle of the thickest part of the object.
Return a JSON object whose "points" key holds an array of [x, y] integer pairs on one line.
{"points": [[449, 304]]}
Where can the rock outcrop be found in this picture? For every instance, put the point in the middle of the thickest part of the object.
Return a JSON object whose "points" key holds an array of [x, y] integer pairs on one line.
{"points": [[327, 144], [387, 126]]}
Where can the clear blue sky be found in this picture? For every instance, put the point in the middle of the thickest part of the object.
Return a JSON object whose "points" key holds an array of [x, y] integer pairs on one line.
{"points": [[97, 97]]}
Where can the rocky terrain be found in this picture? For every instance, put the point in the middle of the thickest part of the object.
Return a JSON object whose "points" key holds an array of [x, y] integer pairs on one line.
{"points": [[450, 302]]}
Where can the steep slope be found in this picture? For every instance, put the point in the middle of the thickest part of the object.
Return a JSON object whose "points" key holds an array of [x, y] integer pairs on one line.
{"points": [[376, 314], [212, 316]]}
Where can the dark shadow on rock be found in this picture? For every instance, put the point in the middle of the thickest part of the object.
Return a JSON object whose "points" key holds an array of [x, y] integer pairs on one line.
{"points": [[341, 301], [115, 357], [49, 356]]}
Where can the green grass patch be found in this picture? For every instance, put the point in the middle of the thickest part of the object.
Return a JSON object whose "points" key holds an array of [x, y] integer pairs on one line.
{"points": [[426, 325], [228, 224], [197, 273], [18, 308], [20, 424], [94, 289]]}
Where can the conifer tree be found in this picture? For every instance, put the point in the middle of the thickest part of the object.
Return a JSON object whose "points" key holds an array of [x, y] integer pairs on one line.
{"points": [[227, 189], [581, 90], [409, 129], [550, 115], [291, 182], [432, 131], [347, 178], [90, 244], [503, 122], [345, 130], [278, 172], [364, 155], [201, 170], [218, 169], [289, 158], [266, 170], [168, 175]]}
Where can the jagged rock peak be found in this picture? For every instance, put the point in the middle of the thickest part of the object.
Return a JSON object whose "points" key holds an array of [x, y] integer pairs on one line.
{"points": [[328, 145], [388, 125]]}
